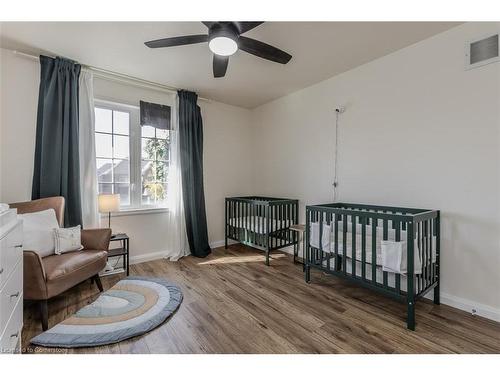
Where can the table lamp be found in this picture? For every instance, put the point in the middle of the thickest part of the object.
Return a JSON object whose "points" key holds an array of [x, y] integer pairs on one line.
{"points": [[109, 203]]}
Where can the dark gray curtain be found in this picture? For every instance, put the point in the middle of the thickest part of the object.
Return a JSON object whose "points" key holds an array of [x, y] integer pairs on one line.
{"points": [[57, 171], [191, 150]]}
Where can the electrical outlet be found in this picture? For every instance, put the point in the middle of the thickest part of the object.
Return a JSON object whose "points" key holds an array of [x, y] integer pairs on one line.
{"points": [[474, 311]]}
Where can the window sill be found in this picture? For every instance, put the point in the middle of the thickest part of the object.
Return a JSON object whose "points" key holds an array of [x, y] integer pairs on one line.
{"points": [[137, 211]]}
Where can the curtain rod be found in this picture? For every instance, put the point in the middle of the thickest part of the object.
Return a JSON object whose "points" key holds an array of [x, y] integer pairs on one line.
{"points": [[118, 77]]}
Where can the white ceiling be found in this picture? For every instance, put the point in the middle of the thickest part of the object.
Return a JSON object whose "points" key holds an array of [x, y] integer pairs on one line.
{"points": [[320, 50]]}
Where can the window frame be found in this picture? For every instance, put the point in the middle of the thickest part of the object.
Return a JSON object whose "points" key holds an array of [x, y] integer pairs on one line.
{"points": [[135, 157]]}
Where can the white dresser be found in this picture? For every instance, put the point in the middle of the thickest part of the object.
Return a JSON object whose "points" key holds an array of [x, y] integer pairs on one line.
{"points": [[11, 282]]}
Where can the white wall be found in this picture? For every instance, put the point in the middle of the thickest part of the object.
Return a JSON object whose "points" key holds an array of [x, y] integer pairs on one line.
{"points": [[18, 106], [419, 131], [227, 151]]}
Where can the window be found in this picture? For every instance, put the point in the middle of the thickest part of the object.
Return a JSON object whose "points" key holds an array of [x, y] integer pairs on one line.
{"points": [[154, 165], [131, 160], [112, 143]]}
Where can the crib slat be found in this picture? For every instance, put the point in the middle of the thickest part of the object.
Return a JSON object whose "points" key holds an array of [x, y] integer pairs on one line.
{"points": [[269, 220], [363, 248], [233, 219], [307, 250], [258, 221], [248, 218], [262, 223], [329, 222], [226, 219], [255, 224], [396, 225], [418, 277], [431, 250], [374, 250], [287, 223], [242, 224], [238, 221], [320, 223], [279, 225], [424, 250], [231, 216], [428, 263], [385, 237], [344, 243], [353, 247], [281, 218], [322, 249], [243, 219], [269, 217], [250, 223], [272, 219], [275, 226], [336, 243]]}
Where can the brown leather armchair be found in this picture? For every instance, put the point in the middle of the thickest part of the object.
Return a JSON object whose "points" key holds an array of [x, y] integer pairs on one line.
{"points": [[47, 277]]}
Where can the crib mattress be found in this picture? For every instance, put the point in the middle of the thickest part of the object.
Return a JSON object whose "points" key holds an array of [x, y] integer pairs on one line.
{"points": [[328, 243], [257, 224]]}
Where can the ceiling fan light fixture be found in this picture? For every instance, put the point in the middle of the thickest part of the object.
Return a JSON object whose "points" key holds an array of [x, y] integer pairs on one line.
{"points": [[223, 46], [224, 39]]}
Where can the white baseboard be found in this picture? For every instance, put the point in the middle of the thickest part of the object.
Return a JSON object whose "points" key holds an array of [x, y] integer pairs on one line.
{"points": [[472, 307], [161, 254], [221, 243], [147, 257], [463, 304]]}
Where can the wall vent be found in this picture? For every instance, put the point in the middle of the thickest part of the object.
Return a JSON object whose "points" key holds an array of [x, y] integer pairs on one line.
{"points": [[482, 51]]}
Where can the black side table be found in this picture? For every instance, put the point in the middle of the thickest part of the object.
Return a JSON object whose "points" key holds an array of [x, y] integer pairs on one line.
{"points": [[123, 250]]}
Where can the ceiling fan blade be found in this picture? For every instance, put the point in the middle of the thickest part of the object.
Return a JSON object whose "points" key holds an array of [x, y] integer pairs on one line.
{"points": [[263, 50], [220, 65], [208, 24], [177, 41], [243, 27]]}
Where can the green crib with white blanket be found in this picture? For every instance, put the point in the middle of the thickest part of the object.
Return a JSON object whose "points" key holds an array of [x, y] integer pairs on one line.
{"points": [[261, 222], [392, 250]]}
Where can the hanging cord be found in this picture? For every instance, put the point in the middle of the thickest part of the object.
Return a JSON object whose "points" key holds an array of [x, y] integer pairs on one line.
{"points": [[338, 111]]}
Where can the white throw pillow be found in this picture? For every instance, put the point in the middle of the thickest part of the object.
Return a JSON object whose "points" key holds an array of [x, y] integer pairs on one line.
{"points": [[67, 239], [37, 230]]}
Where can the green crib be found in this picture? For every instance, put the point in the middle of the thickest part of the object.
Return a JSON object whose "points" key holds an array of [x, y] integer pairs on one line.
{"points": [[358, 242], [261, 222]]}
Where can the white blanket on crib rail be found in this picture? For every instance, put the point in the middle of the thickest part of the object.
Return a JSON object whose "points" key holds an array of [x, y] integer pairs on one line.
{"points": [[391, 255]]}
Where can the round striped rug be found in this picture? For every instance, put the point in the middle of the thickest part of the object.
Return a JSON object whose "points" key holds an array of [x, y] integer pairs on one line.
{"points": [[132, 307]]}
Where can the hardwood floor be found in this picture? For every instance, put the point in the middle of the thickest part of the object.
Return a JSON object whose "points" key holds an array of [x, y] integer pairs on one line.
{"points": [[233, 303]]}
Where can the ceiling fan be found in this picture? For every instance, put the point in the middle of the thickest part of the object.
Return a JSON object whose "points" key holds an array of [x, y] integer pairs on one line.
{"points": [[224, 39]]}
